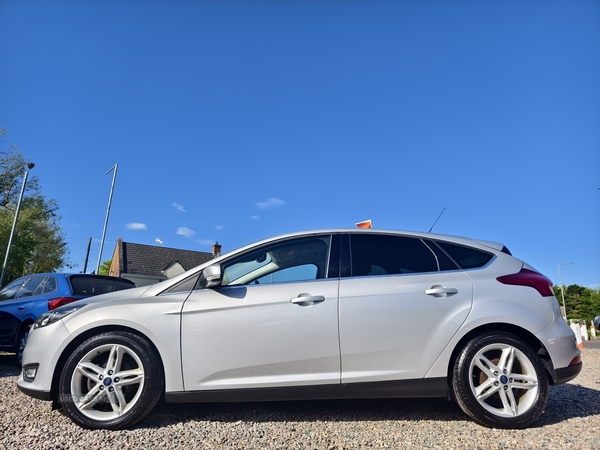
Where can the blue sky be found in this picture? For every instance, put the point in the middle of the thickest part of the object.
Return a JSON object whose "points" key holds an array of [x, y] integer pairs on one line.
{"points": [[233, 121]]}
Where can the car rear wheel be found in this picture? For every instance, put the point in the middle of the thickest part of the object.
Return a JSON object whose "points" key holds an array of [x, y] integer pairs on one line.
{"points": [[111, 381], [500, 382], [21, 341]]}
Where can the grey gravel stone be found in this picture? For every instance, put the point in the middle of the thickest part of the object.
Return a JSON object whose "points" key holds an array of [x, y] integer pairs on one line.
{"points": [[571, 421]]}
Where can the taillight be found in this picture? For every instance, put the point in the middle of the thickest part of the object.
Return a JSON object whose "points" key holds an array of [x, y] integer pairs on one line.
{"points": [[59, 301], [529, 278]]}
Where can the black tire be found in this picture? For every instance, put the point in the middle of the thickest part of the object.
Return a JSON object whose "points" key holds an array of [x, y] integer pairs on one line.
{"points": [[111, 381], [21, 341], [500, 382]]}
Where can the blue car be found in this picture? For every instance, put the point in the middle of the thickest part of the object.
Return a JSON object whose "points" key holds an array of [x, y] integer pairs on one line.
{"points": [[26, 298]]}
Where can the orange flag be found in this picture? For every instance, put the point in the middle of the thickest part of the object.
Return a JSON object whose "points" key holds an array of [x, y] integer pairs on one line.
{"points": [[365, 224]]}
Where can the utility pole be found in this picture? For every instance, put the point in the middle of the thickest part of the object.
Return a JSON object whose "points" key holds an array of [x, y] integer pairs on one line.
{"points": [[112, 188]]}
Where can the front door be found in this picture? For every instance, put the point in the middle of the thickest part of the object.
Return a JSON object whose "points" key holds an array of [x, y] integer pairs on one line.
{"points": [[272, 323]]}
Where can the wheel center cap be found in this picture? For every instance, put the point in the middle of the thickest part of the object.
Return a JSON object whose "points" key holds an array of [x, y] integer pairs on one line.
{"points": [[107, 381], [503, 379]]}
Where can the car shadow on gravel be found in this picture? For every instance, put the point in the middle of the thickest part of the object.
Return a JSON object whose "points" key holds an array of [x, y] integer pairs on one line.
{"points": [[566, 402], [374, 410], [8, 365], [570, 401]]}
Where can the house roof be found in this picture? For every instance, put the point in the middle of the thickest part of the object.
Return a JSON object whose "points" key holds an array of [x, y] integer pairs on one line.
{"points": [[151, 260]]}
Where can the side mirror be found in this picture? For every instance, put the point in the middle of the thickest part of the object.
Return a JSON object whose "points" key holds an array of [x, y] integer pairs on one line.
{"points": [[211, 276]]}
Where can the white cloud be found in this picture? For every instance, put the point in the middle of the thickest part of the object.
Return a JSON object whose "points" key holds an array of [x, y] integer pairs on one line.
{"points": [[255, 217], [219, 227], [205, 242], [271, 203], [178, 207], [185, 232], [136, 226]]}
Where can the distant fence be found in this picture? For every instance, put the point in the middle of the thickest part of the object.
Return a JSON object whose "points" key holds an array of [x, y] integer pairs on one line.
{"points": [[579, 327]]}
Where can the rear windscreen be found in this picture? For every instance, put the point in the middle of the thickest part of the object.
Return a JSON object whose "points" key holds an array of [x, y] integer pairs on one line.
{"points": [[88, 286]]}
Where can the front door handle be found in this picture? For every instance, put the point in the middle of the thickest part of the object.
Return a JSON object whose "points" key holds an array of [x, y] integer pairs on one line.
{"points": [[439, 291], [307, 299]]}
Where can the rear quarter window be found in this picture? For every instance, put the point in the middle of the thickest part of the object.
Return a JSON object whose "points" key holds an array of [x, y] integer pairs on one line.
{"points": [[466, 257]]}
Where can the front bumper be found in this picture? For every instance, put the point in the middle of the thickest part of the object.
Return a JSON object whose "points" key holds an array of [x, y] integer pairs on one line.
{"points": [[40, 395], [43, 349]]}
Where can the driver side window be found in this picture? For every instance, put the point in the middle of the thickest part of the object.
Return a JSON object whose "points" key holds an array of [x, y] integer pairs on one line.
{"points": [[293, 260]]}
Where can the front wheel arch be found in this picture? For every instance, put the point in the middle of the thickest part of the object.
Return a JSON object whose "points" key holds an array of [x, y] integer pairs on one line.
{"points": [[111, 381], [69, 349]]}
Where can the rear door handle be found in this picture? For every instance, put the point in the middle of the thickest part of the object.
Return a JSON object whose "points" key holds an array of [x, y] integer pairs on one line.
{"points": [[439, 291], [307, 299]]}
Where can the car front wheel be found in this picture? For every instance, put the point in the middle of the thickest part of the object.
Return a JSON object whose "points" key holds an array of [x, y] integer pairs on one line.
{"points": [[500, 382], [111, 381]]}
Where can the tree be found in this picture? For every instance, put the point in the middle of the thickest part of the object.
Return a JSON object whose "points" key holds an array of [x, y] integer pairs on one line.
{"points": [[39, 243], [581, 303], [104, 267]]}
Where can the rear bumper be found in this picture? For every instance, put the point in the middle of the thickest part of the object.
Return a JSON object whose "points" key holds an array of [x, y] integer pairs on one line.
{"points": [[568, 373]]}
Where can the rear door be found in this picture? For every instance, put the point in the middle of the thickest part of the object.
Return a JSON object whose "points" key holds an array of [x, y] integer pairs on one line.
{"points": [[399, 306]]}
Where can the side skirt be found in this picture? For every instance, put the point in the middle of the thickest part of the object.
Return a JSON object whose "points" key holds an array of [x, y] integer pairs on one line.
{"points": [[430, 387]]}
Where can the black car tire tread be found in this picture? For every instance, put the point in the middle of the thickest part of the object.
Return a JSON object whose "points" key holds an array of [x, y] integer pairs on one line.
{"points": [[153, 380], [463, 394]]}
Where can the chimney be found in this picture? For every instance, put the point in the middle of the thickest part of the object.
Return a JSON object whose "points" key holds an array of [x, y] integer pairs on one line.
{"points": [[216, 250]]}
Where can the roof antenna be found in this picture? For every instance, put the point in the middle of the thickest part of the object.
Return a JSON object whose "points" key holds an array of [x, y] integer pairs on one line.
{"points": [[436, 220]]}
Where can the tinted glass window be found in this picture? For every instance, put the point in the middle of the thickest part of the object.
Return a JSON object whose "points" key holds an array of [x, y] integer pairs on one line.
{"points": [[50, 285], [390, 255], [294, 260], [466, 257], [9, 291], [444, 261], [30, 286], [95, 285]]}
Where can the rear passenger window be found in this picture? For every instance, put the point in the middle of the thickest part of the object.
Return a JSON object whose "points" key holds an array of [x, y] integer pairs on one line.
{"points": [[29, 287], [390, 255], [466, 257]]}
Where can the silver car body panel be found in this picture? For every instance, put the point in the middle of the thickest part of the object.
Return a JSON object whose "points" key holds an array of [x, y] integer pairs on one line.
{"points": [[253, 336], [376, 311]]}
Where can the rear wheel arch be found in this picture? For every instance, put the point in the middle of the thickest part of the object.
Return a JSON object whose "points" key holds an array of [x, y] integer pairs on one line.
{"points": [[84, 337], [500, 381], [27, 323], [21, 338], [522, 333]]}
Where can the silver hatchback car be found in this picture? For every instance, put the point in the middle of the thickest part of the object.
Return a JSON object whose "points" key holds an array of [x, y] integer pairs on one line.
{"points": [[328, 314]]}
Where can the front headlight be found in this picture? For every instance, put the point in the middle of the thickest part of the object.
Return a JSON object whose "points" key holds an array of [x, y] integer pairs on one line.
{"points": [[54, 316]]}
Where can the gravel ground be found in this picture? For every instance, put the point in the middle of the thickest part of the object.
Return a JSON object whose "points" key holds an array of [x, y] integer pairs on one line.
{"points": [[571, 421]]}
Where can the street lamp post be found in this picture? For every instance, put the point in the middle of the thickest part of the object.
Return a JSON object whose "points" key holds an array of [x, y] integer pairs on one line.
{"points": [[562, 289], [12, 233]]}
